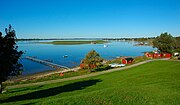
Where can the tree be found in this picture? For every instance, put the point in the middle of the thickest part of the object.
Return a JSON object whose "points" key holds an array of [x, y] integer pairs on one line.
{"points": [[92, 59], [165, 43], [9, 56], [177, 48]]}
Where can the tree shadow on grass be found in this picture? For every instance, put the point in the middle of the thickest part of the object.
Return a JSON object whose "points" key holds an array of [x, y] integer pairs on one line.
{"points": [[24, 89], [53, 91]]}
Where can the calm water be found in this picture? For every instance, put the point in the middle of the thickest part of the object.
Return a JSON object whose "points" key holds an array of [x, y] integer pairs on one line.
{"points": [[75, 53]]}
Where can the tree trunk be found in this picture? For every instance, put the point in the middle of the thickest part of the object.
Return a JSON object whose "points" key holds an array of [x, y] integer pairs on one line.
{"points": [[1, 87]]}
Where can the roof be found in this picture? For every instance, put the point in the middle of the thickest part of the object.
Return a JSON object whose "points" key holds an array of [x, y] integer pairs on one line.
{"points": [[128, 59]]}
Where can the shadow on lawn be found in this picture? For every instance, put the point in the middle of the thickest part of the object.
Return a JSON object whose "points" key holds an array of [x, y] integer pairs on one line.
{"points": [[53, 91], [24, 89]]}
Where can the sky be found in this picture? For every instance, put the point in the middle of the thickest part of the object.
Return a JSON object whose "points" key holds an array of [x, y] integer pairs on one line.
{"points": [[90, 18]]}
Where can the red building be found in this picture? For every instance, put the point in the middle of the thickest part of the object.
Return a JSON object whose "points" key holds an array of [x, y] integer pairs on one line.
{"points": [[85, 66], [167, 55], [127, 60], [149, 55], [158, 55]]}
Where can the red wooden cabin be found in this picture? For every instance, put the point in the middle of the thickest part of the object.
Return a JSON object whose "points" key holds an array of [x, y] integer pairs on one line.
{"points": [[127, 60], [149, 55], [167, 55], [158, 55]]}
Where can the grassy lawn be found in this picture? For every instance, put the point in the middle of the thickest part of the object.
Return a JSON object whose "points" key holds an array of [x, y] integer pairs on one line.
{"points": [[74, 42], [156, 82]]}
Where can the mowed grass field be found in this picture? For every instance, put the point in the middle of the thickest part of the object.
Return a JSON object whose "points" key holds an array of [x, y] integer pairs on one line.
{"points": [[153, 83]]}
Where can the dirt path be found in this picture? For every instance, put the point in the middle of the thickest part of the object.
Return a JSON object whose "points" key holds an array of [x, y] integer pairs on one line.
{"points": [[77, 77]]}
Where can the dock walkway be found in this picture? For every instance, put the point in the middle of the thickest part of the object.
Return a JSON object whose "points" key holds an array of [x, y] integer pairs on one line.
{"points": [[46, 62]]}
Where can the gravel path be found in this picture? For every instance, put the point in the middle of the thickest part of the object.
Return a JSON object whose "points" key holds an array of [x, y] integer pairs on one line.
{"points": [[77, 77]]}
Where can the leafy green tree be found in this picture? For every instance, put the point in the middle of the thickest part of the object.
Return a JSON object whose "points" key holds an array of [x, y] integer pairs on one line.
{"points": [[177, 48], [9, 56], [165, 43], [92, 59]]}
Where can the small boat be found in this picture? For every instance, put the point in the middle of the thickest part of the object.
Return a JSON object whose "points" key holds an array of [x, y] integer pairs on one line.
{"points": [[105, 45], [116, 65], [65, 56]]}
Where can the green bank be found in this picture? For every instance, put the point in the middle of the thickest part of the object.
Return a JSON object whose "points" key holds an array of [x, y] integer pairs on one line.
{"points": [[156, 82], [74, 42]]}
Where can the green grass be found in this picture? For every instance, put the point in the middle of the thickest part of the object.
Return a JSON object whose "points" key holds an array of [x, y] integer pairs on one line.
{"points": [[74, 42], [140, 59], [157, 82]]}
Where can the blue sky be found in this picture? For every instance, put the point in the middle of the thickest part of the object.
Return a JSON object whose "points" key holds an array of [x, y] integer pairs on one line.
{"points": [[90, 18]]}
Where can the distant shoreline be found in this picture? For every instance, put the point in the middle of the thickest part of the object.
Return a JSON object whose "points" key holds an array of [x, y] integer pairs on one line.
{"points": [[74, 42], [103, 38]]}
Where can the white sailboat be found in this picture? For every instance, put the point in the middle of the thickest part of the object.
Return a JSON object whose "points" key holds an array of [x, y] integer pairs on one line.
{"points": [[105, 46]]}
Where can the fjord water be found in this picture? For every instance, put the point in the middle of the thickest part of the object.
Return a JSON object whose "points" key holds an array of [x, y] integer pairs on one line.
{"points": [[75, 53]]}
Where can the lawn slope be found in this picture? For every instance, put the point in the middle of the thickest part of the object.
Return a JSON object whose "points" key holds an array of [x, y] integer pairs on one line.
{"points": [[156, 82]]}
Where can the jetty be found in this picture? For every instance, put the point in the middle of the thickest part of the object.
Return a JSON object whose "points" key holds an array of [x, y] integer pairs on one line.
{"points": [[45, 62]]}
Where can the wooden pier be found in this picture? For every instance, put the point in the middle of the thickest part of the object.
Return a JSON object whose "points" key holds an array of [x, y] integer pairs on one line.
{"points": [[45, 62]]}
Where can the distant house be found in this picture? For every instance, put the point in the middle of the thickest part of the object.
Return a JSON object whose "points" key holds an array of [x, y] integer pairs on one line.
{"points": [[148, 55], [157, 55], [167, 55], [127, 60]]}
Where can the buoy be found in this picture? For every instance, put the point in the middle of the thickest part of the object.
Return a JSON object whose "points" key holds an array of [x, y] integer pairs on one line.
{"points": [[61, 74]]}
